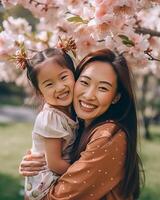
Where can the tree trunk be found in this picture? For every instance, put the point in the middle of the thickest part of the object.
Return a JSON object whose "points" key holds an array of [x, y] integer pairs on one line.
{"points": [[146, 120], [147, 134]]}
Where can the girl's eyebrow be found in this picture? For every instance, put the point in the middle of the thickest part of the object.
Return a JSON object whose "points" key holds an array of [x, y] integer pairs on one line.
{"points": [[63, 72], [59, 75], [46, 81], [103, 82]]}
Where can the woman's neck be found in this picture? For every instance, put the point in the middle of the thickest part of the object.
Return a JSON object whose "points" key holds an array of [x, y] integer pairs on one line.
{"points": [[87, 123]]}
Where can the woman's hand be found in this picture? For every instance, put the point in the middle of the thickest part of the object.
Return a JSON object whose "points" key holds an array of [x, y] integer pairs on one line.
{"points": [[32, 164]]}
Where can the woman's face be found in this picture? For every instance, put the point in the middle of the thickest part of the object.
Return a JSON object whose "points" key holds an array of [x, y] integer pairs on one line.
{"points": [[94, 90]]}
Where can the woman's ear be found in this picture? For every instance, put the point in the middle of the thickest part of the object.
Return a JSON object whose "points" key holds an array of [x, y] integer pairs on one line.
{"points": [[116, 98]]}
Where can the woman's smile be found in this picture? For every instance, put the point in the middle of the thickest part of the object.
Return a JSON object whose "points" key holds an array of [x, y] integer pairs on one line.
{"points": [[88, 107], [94, 90]]}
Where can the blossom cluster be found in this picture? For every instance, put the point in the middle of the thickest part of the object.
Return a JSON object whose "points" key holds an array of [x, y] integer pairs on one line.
{"points": [[93, 24]]}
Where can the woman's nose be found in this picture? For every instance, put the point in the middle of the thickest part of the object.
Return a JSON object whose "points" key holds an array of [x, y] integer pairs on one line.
{"points": [[90, 93]]}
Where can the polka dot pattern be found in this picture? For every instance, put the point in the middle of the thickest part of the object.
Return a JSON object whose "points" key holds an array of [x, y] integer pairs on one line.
{"points": [[99, 169]]}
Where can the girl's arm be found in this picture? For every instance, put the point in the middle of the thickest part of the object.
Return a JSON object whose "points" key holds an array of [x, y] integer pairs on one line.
{"points": [[53, 153], [33, 163]]}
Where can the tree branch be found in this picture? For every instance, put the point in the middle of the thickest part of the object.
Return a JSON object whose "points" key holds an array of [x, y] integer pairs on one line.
{"points": [[145, 31], [45, 5], [150, 57]]}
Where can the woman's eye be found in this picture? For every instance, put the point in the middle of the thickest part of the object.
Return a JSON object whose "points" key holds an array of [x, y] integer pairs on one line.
{"points": [[83, 82], [103, 89], [64, 77]]}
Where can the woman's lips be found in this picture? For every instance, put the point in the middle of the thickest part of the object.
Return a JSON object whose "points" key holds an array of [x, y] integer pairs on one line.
{"points": [[87, 106]]}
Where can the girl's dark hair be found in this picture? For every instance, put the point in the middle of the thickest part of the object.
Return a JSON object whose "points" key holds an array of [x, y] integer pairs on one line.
{"points": [[123, 113], [59, 56]]}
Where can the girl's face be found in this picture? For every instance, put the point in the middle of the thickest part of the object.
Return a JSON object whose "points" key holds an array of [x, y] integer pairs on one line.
{"points": [[94, 90], [56, 83]]}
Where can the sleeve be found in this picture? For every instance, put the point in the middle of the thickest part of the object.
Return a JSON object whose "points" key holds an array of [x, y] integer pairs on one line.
{"points": [[99, 169], [50, 125]]}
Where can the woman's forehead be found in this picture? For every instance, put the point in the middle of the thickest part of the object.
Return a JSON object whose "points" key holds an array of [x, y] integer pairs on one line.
{"points": [[100, 71]]}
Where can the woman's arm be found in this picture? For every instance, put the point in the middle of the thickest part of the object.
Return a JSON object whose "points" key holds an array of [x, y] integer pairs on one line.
{"points": [[99, 169], [53, 152]]}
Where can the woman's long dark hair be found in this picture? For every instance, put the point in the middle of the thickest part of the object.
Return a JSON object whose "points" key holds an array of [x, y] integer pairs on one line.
{"points": [[123, 113]]}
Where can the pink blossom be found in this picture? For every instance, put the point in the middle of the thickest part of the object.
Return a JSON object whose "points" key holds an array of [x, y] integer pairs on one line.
{"points": [[102, 21], [16, 26], [7, 45], [9, 3]]}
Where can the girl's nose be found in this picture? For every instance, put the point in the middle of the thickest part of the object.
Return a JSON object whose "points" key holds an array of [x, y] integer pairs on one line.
{"points": [[60, 87]]}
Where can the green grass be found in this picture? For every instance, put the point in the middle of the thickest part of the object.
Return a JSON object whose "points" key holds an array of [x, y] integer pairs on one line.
{"points": [[16, 139], [13, 100], [151, 161]]}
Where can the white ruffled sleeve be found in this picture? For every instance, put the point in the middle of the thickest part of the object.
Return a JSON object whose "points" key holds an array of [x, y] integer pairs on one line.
{"points": [[50, 124]]}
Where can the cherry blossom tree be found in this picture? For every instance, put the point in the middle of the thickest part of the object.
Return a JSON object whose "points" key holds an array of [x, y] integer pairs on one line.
{"points": [[131, 27]]}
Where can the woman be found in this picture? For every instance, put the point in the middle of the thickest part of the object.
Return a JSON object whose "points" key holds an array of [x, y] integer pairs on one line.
{"points": [[105, 160]]}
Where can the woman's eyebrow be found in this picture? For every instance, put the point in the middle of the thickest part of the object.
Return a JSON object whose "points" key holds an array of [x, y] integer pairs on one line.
{"points": [[103, 82], [84, 76], [106, 82]]}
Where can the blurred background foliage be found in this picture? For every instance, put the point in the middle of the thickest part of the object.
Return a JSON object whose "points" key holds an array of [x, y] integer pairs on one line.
{"points": [[16, 138]]}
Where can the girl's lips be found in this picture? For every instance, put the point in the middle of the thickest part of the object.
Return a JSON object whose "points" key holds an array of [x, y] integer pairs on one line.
{"points": [[87, 106], [63, 96]]}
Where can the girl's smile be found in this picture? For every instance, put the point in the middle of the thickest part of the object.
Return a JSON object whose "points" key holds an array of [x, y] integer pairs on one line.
{"points": [[56, 83], [63, 95]]}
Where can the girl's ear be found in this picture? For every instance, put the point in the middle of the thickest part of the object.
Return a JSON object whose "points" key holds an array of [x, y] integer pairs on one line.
{"points": [[116, 98], [39, 94]]}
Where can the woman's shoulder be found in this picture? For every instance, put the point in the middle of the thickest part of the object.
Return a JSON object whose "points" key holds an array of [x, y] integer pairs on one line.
{"points": [[109, 130], [107, 138]]}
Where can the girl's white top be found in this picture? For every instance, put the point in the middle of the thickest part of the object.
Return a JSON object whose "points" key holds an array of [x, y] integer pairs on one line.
{"points": [[52, 123]]}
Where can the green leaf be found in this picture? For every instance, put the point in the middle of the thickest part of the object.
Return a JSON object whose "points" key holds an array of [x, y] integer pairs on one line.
{"points": [[49, 34], [77, 19], [123, 37], [126, 41]]}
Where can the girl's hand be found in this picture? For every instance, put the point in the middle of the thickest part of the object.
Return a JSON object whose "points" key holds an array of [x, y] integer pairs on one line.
{"points": [[32, 164]]}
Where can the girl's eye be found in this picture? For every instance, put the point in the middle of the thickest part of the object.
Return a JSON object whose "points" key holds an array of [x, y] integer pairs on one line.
{"points": [[103, 89], [64, 77], [49, 84], [83, 82]]}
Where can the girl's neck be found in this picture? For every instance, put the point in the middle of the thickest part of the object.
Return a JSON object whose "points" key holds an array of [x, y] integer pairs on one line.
{"points": [[65, 109]]}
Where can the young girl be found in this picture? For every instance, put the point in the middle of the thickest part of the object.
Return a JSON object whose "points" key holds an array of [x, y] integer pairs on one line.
{"points": [[51, 72]]}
